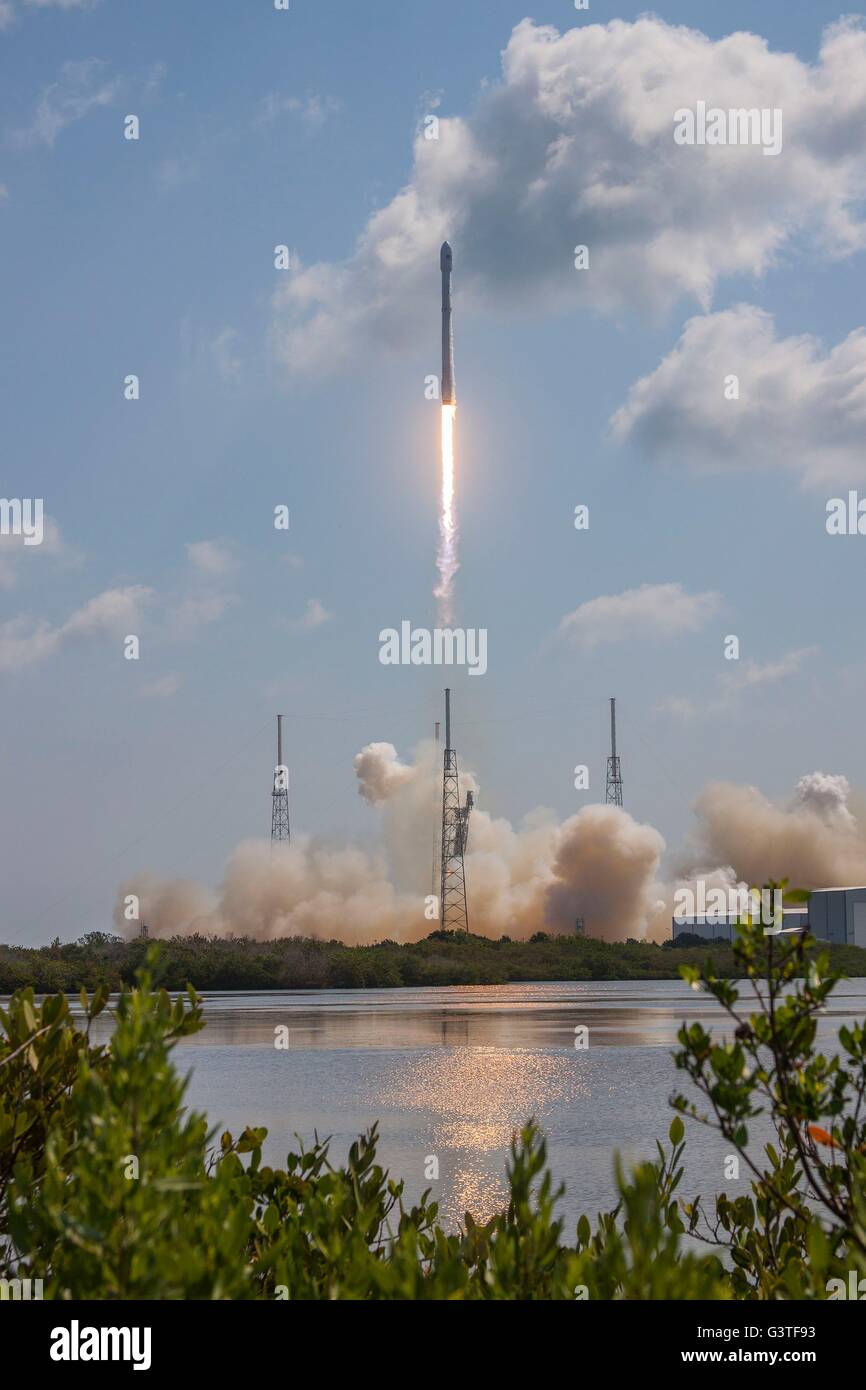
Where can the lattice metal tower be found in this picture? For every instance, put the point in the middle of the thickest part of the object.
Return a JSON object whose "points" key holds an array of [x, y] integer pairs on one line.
{"points": [[280, 807], [434, 874], [453, 911], [614, 770]]}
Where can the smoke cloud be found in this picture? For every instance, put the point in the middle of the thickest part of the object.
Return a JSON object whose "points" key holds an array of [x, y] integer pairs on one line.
{"points": [[600, 865], [817, 842], [827, 796]]}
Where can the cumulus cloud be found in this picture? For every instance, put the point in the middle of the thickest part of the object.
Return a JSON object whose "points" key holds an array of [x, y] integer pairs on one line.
{"points": [[653, 610], [200, 599], [195, 611], [315, 615], [83, 86], [313, 110], [757, 673], [108, 612], [14, 552], [801, 409], [203, 598], [575, 146], [116, 611], [211, 558], [735, 684]]}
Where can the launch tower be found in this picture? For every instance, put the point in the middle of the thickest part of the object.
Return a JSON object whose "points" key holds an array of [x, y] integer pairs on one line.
{"points": [[280, 800], [453, 911], [614, 770]]}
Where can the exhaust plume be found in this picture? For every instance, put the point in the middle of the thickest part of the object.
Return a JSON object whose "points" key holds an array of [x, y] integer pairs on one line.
{"points": [[600, 864], [446, 556], [817, 842]]}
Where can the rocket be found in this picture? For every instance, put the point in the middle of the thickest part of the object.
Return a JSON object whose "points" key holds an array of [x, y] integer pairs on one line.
{"points": [[447, 384]]}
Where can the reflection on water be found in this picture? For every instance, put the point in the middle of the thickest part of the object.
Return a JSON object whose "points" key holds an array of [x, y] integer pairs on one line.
{"points": [[451, 1073], [471, 1099]]}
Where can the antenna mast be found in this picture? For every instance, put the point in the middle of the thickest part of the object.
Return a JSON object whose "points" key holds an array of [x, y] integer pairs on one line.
{"points": [[280, 797], [613, 796]]}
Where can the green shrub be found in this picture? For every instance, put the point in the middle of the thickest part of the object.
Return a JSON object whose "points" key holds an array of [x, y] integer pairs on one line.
{"points": [[110, 1188]]}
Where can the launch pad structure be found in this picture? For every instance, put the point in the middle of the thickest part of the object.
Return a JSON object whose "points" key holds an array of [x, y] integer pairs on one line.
{"points": [[453, 909]]}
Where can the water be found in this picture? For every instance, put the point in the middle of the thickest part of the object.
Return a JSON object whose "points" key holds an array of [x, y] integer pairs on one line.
{"points": [[450, 1073]]}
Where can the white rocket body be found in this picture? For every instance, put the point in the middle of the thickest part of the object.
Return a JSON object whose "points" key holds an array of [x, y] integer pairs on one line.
{"points": [[447, 383]]}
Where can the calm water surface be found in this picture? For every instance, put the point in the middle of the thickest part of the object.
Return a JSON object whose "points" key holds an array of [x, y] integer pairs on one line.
{"points": [[451, 1072]]}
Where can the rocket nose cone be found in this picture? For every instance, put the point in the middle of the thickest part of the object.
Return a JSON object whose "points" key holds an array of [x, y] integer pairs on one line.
{"points": [[445, 257]]}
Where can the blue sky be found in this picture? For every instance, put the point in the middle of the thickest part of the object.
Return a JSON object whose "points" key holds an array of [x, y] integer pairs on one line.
{"points": [[155, 257]]}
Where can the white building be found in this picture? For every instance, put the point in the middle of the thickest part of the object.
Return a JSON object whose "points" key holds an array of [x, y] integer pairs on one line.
{"points": [[836, 915]]}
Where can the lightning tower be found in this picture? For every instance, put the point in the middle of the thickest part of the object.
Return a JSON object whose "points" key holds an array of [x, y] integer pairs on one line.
{"points": [[435, 870], [453, 911], [614, 770], [280, 799]]}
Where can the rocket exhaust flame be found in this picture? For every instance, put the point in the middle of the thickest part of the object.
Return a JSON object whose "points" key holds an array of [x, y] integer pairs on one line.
{"points": [[446, 558]]}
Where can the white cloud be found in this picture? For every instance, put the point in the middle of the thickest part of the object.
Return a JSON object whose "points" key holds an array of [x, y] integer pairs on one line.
{"points": [[111, 611], [161, 689], [226, 357], [14, 552], [734, 682], [62, 4], [116, 611], [153, 82], [196, 611], [575, 146], [209, 354], [83, 86], [200, 600], [7, 9], [757, 673], [315, 615], [653, 610], [211, 558], [801, 409], [203, 599], [314, 110], [174, 172], [679, 706]]}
